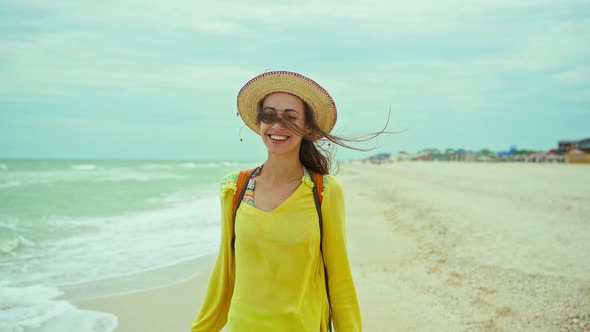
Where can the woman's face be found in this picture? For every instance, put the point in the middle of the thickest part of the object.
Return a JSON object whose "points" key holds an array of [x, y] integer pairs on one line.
{"points": [[278, 138]]}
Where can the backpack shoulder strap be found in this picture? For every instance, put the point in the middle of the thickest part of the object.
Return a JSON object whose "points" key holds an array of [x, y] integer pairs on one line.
{"points": [[241, 186], [318, 182], [318, 188]]}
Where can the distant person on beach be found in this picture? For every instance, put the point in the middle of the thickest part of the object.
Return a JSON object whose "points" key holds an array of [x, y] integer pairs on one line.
{"points": [[283, 264]]}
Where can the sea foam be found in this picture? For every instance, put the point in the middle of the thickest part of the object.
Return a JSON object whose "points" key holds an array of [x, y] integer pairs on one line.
{"points": [[38, 308], [10, 245]]}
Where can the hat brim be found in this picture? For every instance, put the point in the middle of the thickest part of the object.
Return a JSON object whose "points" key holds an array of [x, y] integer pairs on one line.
{"points": [[317, 98]]}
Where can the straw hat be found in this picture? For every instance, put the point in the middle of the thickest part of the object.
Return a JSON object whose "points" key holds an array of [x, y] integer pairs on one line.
{"points": [[317, 98]]}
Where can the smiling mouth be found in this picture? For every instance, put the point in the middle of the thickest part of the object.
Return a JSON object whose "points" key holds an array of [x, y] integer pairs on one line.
{"points": [[278, 138]]}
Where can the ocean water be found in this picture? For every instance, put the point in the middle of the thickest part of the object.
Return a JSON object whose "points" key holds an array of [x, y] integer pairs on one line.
{"points": [[64, 223]]}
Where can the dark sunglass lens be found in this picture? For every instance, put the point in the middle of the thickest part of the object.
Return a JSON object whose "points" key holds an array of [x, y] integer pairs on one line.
{"points": [[268, 117]]}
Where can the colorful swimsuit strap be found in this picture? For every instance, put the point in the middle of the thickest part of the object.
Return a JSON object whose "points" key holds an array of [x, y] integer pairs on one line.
{"points": [[249, 193]]}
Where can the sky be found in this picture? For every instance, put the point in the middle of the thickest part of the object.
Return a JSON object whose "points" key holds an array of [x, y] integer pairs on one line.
{"points": [[159, 79]]}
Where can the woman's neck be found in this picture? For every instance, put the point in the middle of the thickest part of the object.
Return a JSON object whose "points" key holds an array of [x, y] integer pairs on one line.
{"points": [[282, 169]]}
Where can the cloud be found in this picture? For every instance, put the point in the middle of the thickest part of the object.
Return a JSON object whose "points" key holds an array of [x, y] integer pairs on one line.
{"points": [[579, 75], [62, 64], [476, 60]]}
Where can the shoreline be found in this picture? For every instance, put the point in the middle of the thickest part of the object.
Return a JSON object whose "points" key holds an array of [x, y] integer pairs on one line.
{"points": [[433, 246], [134, 306], [143, 281]]}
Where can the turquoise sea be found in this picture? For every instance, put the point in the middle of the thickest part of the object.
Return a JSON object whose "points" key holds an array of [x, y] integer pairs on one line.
{"points": [[65, 222]]}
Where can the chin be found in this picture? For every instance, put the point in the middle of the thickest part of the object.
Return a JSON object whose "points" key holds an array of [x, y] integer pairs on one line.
{"points": [[282, 150]]}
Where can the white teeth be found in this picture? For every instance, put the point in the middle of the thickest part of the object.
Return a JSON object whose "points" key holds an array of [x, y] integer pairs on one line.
{"points": [[278, 138]]}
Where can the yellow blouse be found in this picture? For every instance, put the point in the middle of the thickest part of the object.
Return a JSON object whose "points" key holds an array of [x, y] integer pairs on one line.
{"points": [[274, 278]]}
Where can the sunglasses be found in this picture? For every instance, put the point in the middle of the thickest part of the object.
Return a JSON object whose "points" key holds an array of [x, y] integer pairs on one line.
{"points": [[270, 116]]}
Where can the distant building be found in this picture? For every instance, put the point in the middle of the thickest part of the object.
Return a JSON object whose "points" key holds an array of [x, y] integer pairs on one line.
{"points": [[403, 156], [578, 151], [583, 145], [564, 146], [380, 158], [455, 155]]}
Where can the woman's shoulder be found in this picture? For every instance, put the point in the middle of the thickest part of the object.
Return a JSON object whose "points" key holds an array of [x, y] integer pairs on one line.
{"points": [[230, 178], [332, 190], [229, 182], [330, 179], [330, 182]]}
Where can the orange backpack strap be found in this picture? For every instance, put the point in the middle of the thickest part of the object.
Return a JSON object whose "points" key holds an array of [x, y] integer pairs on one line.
{"points": [[318, 188], [318, 181], [241, 186]]}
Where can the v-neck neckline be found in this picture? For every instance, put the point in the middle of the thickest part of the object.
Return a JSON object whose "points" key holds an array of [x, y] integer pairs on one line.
{"points": [[253, 189], [278, 207]]}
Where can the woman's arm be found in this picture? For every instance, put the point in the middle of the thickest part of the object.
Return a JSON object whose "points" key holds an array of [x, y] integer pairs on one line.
{"points": [[343, 300], [213, 314]]}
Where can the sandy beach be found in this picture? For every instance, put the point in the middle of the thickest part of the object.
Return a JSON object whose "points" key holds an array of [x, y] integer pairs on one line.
{"points": [[433, 247]]}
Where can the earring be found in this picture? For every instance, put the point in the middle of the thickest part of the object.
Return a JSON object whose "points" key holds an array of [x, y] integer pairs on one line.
{"points": [[240, 133]]}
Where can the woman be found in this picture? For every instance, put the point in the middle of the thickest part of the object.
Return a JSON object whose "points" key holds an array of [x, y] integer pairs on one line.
{"points": [[283, 265]]}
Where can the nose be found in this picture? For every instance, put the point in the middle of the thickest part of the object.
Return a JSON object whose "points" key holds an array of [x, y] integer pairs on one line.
{"points": [[278, 125]]}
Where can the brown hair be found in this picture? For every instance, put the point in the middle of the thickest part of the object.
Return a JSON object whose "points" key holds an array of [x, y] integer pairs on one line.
{"points": [[316, 154]]}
